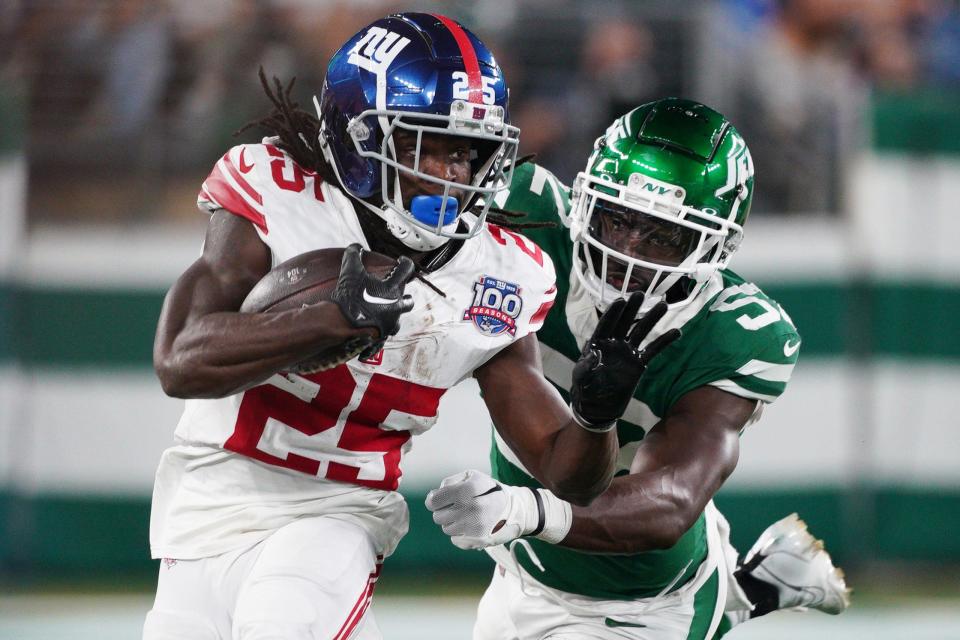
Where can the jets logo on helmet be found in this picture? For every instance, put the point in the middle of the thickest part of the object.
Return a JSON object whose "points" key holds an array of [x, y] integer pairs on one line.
{"points": [[417, 75], [739, 172], [661, 204], [618, 129]]}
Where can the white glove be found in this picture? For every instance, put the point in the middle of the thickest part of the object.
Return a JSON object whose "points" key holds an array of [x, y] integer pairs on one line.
{"points": [[477, 511]]}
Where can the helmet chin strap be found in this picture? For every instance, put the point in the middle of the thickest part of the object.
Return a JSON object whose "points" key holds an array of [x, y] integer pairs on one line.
{"points": [[410, 235], [701, 273]]}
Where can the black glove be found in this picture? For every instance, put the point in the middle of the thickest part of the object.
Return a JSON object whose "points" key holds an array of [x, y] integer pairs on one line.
{"points": [[368, 301], [609, 369]]}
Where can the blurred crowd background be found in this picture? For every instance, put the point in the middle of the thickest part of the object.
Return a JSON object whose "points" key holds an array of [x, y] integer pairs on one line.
{"points": [[122, 104]]}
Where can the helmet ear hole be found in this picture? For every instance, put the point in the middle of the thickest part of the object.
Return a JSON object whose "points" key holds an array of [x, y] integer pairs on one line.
{"points": [[357, 174]]}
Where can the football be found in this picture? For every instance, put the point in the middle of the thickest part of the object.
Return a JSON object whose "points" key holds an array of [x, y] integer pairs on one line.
{"points": [[307, 279]]}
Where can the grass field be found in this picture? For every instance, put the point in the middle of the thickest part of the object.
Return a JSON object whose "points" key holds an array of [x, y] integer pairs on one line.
{"points": [[888, 606], [119, 617]]}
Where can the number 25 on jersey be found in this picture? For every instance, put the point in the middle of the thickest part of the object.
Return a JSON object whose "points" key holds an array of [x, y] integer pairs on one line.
{"points": [[329, 424]]}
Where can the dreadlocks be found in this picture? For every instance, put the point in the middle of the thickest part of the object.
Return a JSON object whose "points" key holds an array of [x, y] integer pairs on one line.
{"points": [[298, 130], [509, 219]]}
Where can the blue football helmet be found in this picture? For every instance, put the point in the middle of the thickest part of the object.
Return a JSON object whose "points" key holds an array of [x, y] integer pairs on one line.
{"points": [[424, 74]]}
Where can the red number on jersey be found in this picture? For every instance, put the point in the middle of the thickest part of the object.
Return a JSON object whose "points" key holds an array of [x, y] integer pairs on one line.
{"points": [[536, 253], [360, 429], [281, 165]]}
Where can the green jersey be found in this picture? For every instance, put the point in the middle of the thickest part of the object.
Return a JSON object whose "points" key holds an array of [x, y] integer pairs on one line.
{"points": [[734, 338]]}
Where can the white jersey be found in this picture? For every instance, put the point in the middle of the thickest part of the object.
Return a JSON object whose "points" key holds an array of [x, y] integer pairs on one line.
{"points": [[333, 442]]}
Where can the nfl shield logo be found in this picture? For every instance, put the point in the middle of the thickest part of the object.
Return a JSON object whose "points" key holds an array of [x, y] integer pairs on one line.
{"points": [[496, 305]]}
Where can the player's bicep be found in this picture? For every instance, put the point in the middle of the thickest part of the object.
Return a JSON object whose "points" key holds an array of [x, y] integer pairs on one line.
{"points": [[526, 410], [699, 440], [233, 260]]}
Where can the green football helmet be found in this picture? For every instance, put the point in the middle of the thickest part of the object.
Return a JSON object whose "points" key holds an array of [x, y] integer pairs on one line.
{"points": [[661, 205]]}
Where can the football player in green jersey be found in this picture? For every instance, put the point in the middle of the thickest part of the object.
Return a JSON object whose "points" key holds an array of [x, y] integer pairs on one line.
{"points": [[660, 210]]}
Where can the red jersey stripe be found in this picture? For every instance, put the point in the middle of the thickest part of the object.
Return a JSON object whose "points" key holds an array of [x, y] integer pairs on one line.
{"points": [[223, 193], [240, 179], [469, 55], [541, 313]]}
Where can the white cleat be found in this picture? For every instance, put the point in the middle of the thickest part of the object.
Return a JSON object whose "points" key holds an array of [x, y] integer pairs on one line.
{"points": [[793, 561]]}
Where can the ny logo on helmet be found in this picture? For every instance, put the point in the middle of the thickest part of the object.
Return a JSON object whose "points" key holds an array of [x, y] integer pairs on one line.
{"points": [[641, 182], [377, 49], [652, 188]]}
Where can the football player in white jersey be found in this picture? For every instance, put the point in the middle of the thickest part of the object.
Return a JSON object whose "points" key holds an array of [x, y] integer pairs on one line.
{"points": [[276, 505]]}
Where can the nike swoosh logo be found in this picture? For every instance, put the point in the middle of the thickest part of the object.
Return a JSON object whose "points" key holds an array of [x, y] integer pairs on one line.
{"points": [[375, 300], [610, 622], [244, 167], [790, 349]]}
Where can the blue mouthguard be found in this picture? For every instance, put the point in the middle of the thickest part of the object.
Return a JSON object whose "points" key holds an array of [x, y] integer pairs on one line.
{"points": [[426, 209]]}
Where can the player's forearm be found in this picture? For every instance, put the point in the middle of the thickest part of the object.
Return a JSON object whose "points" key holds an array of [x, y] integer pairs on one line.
{"points": [[638, 512], [537, 425], [578, 465], [223, 353]]}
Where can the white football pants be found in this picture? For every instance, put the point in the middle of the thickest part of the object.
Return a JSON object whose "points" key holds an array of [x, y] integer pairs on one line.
{"points": [[311, 580], [528, 610]]}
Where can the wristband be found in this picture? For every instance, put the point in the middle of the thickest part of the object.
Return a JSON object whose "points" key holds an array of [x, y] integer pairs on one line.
{"points": [[592, 428], [554, 517], [541, 516]]}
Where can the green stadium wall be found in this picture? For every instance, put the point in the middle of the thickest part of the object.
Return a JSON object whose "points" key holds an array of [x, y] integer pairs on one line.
{"points": [[73, 332], [864, 445], [57, 327], [104, 538]]}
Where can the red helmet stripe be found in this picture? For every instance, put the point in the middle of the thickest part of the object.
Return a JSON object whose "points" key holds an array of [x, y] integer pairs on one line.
{"points": [[469, 57]]}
